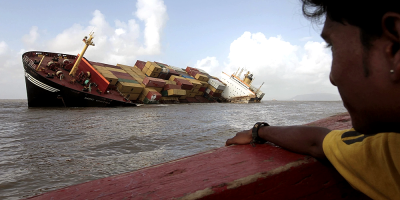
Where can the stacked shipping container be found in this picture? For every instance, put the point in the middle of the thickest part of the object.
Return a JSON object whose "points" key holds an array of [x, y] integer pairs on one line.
{"points": [[154, 82]]}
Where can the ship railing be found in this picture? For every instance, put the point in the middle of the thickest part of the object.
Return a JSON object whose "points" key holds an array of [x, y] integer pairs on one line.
{"points": [[240, 82], [29, 62]]}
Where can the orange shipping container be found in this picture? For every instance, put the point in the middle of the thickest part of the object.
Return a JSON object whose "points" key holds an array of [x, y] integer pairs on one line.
{"points": [[152, 73], [201, 77], [147, 90], [156, 89], [153, 96]]}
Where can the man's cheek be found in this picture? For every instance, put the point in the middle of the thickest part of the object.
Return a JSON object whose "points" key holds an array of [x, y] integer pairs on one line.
{"points": [[331, 79]]}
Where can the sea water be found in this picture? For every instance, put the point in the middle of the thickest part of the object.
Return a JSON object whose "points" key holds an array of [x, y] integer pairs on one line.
{"points": [[43, 149]]}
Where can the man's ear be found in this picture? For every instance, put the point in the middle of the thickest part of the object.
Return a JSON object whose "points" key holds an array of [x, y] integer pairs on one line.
{"points": [[391, 30]]}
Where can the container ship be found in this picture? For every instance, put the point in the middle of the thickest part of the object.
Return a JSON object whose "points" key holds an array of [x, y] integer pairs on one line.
{"points": [[63, 80]]}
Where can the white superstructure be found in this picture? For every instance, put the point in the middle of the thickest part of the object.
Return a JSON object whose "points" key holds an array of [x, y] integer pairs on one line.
{"points": [[240, 91]]}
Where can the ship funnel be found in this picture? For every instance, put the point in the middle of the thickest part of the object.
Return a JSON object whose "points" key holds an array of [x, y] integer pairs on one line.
{"points": [[248, 78]]}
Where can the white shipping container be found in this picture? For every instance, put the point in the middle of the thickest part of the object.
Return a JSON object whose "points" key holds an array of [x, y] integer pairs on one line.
{"points": [[177, 69], [216, 84], [164, 70], [202, 71]]}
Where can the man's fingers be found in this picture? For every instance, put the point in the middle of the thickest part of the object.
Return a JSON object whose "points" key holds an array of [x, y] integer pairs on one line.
{"points": [[240, 138], [228, 142]]}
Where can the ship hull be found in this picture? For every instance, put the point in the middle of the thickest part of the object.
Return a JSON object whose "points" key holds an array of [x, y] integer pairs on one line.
{"points": [[42, 92]]}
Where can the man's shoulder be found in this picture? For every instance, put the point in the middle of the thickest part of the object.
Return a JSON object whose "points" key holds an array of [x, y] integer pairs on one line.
{"points": [[353, 135], [349, 139]]}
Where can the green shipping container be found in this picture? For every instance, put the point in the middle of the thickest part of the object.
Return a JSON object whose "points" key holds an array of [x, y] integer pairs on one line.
{"points": [[147, 101], [164, 93]]}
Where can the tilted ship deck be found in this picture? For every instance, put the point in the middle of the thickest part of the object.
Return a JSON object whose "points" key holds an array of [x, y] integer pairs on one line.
{"points": [[62, 80], [44, 90]]}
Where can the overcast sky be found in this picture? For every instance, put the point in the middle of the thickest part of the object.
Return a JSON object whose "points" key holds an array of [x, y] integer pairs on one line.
{"points": [[270, 38]]}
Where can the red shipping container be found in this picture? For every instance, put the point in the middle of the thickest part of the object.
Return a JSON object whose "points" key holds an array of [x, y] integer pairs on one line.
{"points": [[140, 64], [202, 89], [185, 84], [153, 96], [181, 79], [154, 82], [194, 73], [188, 69], [192, 100], [214, 94], [105, 65], [171, 86], [122, 75], [191, 69]]}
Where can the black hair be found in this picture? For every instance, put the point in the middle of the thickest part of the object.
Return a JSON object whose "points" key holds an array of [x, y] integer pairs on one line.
{"points": [[364, 14]]}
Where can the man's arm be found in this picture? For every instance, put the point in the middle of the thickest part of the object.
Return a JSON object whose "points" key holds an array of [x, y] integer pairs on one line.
{"points": [[299, 139]]}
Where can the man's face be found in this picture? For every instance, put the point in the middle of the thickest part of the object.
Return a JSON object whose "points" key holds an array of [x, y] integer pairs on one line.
{"points": [[362, 95]]}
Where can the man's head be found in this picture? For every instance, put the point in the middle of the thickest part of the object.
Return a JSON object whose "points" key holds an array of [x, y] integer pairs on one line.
{"points": [[365, 40]]}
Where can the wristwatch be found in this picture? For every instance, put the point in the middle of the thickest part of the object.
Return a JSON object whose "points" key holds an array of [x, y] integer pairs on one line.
{"points": [[256, 138]]}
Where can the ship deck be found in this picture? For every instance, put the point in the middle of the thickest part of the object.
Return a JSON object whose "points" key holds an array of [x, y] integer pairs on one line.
{"points": [[67, 81]]}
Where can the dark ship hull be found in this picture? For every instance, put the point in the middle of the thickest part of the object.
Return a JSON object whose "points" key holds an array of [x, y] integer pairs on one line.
{"points": [[46, 92]]}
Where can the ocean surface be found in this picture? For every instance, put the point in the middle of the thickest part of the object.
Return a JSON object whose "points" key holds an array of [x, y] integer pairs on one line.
{"points": [[43, 149]]}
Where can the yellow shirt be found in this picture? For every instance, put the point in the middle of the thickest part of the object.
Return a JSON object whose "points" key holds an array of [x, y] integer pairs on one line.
{"points": [[370, 163]]}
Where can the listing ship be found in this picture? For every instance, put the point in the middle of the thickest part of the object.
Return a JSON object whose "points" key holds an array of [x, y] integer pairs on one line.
{"points": [[63, 80], [240, 90]]}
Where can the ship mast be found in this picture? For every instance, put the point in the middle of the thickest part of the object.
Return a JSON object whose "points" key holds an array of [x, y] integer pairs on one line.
{"points": [[240, 73], [87, 43], [259, 88], [237, 71]]}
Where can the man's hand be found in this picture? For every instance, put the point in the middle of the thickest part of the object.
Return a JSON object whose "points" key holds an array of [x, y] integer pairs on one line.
{"points": [[243, 137]]}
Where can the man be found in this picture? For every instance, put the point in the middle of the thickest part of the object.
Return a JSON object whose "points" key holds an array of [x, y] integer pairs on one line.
{"points": [[365, 41]]}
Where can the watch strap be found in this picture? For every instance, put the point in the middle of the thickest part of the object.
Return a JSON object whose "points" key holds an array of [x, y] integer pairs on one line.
{"points": [[255, 137]]}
